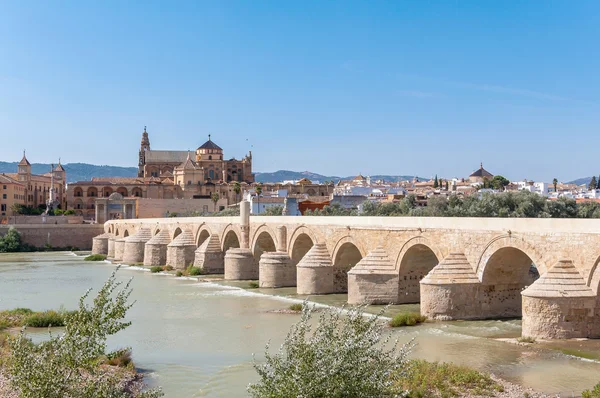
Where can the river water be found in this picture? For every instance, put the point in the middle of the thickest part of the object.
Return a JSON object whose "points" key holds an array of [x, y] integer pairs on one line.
{"points": [[196, 339]]}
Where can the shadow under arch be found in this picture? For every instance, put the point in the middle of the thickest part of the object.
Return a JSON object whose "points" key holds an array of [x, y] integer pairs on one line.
{"points": [[506, 267], [346, 255], [301, 241], [231, 238], [415, 260], [594, 277], [263, 242], [176, 233]]}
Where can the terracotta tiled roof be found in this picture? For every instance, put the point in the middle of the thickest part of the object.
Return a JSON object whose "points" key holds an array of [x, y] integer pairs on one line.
{"points": [[165, 156], [5, 179]]}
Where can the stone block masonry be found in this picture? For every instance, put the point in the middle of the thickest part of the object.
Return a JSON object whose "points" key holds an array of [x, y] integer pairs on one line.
{"points": [[74, 235]]}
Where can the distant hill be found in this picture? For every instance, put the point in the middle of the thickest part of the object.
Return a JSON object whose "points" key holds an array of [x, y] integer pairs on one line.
{"points": [[85, 172], [581, 181], [283, 175], [75, 171]]}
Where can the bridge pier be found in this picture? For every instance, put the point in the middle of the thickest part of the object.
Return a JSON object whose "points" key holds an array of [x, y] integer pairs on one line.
{"points": [[559, 305], [133, 252], [100, 244], [110, 254], [374, 280], [155, 250], [119, 248], [240, 265], [276, 270], [180, 252], [451, 290], [209, 256], [315, 271]]}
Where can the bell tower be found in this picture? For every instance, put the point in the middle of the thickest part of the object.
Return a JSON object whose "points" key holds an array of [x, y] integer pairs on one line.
{"points": [[144, 146]]}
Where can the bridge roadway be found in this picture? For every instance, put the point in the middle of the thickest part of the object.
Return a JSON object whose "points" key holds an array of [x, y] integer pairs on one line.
{"points": [[543, 270]]}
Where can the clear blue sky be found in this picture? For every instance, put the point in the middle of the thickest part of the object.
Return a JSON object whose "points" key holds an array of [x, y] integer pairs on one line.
{"points": [[335, 87]]}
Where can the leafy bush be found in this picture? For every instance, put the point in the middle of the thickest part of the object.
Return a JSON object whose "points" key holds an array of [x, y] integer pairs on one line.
{"points": [[407, 319], [67, 365], [95, 257], [296, 307], [45, 319], [11, 241], [253, 285], [179, 273], [156, 268], [168, 268], [194, 271], [345, 356], [120, 358], [431, 379], [594, 393]]}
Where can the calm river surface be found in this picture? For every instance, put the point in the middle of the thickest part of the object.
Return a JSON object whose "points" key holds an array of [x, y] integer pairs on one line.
{"points": [[196, 339]]}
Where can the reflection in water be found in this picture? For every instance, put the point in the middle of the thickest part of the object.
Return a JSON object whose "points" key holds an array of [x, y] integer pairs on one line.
{"points": [[197, 339]]}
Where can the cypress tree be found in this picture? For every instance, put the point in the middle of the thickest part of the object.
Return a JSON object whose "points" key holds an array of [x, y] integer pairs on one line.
{"points": [[437, 184], [593, 183], [598, 186]]}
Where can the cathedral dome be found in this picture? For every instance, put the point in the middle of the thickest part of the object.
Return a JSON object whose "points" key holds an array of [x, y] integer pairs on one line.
{"points": [[210, 145]]}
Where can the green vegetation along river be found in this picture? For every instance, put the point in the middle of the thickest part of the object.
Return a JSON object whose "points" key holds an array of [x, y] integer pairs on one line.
{"points": [[196, 339]]}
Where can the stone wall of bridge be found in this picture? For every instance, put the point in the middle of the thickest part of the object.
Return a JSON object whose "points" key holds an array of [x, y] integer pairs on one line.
{"points": [[457, 268]]}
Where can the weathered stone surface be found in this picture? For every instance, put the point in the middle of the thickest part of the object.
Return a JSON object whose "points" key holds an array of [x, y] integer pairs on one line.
{"points": [[119, 249], [100, 243], [560, 305], [373, 280], [276, 270], [135, 244], [315, 272], [450, 290], [240, 265], [155, 250], [209, 256], [111, 247], [180, 252]]}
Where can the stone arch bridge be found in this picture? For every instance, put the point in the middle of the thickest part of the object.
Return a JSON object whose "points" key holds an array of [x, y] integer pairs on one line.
{"points": [[543, 270]]}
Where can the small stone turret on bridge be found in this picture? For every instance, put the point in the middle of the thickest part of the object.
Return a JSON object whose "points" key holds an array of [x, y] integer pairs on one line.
{"points": [[545, 270]]}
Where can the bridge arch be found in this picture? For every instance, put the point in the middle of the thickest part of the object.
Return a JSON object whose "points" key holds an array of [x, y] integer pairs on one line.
{"points": [[301, 241], [263, 240], [417, 257], [125, 233], [507, 266], [346, 254], [204, 232], [594, 277], [231, 238], [176, 233]]}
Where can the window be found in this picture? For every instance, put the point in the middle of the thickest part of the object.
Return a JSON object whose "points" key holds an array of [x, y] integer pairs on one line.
{"points": [[3, 196], [3, 207], [4, 187]]}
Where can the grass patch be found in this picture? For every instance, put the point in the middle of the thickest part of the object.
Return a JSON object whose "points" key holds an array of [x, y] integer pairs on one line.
{"points": [[95, 257], [253, 285], [432, 379], [594, 393], [526, 339], [120, 358], [156, 268], [168, 268], [46, 319], [195, 271], [296, 307], [407, 319], [178, 273], [578, 353]]}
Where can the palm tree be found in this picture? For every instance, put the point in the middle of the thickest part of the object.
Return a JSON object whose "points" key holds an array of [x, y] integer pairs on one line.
{"points": [[237, 188], [555, 183], [215, 198]]}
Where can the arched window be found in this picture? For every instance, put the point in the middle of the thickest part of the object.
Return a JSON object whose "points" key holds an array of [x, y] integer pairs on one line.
{"points": [[209, 157], [211, 174]]}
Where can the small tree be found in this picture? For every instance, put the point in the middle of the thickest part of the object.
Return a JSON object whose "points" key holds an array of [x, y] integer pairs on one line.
{"points": [[446, 185], [344, 357], [237, 188], [598, 186], [68, 365], [215, 198], [555, 183], [593, 183], [11, 241], [435, 182]]}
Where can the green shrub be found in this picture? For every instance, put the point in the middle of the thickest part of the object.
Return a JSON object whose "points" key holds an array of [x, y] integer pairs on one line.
{"points": [[407, 319], [168, 268], [431, 379], [120, 358], [296, 307], [253, 285], [194, 271], [95, 257], [595, 393], [179, 273], [156, 268], [45, 319], [344, 355]]}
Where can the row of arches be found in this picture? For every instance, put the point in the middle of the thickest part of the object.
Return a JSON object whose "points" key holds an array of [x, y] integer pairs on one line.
{"points": [[92, 192]]}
